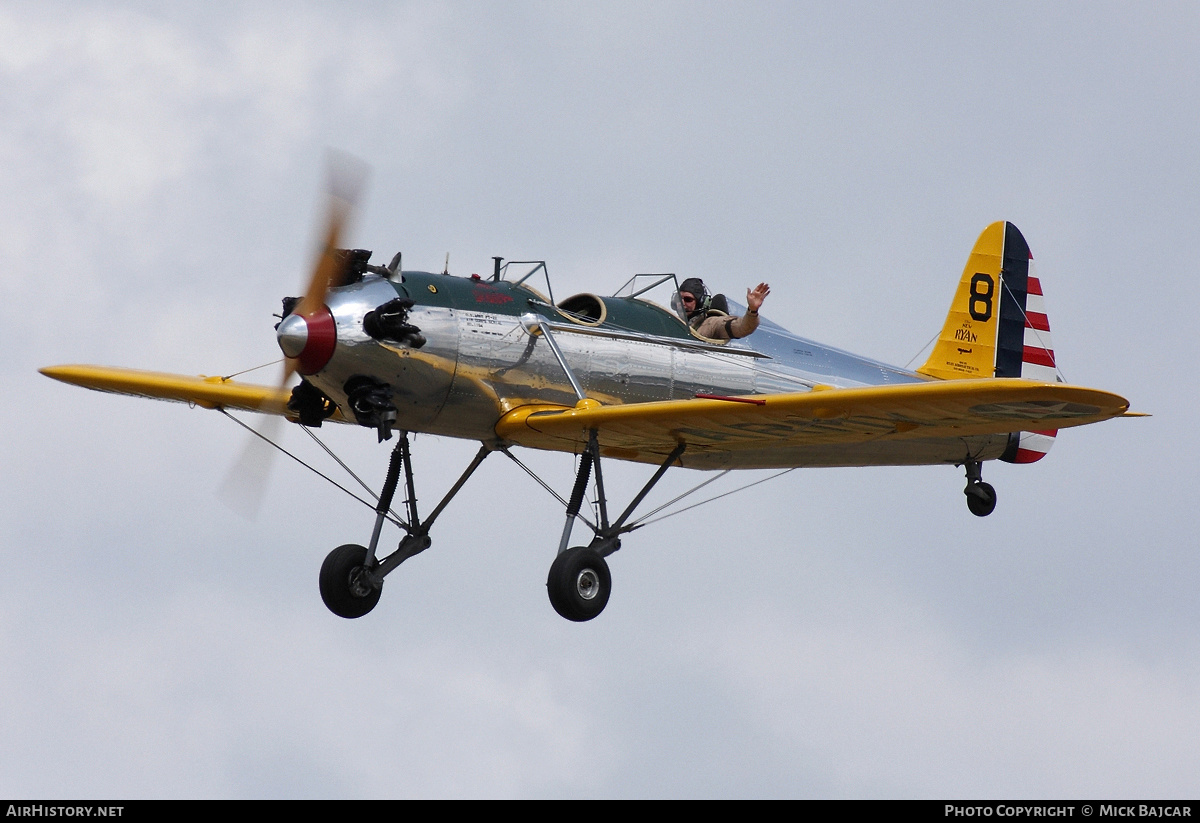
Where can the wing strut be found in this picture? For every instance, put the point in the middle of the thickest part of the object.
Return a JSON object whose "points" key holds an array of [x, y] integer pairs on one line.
{"points": [[607, 539], [417, 538], [352, 576], [619, 526]]}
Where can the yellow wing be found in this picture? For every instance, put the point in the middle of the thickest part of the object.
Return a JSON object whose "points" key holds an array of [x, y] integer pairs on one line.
{"points": [[868, 425], [912, 423], [209, 392]]}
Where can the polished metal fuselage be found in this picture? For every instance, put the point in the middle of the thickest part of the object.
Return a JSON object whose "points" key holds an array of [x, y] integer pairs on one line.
{"points": [[480, 362]]}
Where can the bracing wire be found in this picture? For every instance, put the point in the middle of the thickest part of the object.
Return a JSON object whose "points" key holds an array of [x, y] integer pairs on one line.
{"points": [[1036, 333], [675, 500], [645, 522], [391, 516], [545, 486], [648, 518], [253, 368], [1028, 325], [340, 462], [922, 349]]}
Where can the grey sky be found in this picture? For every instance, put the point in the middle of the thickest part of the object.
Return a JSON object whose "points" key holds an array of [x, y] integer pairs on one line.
{"points": [[846, 633]]}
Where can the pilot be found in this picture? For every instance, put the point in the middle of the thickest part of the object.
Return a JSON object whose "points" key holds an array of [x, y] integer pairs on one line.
{"points": [[714, 323]]}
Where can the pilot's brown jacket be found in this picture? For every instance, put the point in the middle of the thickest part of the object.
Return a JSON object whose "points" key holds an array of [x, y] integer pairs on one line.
{"points": [[717, 325]]}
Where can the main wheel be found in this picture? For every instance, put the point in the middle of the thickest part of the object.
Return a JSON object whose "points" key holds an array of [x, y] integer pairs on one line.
{"points": [[981, 499], [579, 584], [345, 586]]}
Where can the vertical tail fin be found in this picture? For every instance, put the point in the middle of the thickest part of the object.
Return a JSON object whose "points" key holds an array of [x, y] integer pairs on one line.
{"points": [[998, 326]]}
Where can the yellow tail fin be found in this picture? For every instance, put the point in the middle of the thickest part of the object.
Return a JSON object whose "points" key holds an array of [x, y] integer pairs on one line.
{"points": [[998, 327], [967, 345]]}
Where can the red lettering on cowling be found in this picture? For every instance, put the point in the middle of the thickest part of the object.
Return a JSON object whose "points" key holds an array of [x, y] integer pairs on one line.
{"points": [[482, 296]]}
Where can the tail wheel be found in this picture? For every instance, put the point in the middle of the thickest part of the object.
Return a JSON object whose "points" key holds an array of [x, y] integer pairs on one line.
{"points": [[981, 498], [346, 587], [579, 584]]}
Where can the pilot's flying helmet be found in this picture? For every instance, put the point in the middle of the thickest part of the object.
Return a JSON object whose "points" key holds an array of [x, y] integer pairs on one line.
{"points": [[695, 287]]}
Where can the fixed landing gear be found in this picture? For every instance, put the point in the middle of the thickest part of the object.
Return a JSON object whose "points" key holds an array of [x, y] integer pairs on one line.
{"points": [[981, 497], [579, 584], [352, 576]]}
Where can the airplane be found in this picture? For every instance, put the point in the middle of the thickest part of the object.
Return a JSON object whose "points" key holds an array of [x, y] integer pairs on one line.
{"points": [[624, 377]]}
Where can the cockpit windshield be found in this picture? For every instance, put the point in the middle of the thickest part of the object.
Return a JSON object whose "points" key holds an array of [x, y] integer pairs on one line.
{"points": [[526, 273], [661, 290]]}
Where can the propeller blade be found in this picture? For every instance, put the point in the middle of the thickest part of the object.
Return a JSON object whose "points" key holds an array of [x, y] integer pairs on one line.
{"points": [[246, 483], [347, 178]]}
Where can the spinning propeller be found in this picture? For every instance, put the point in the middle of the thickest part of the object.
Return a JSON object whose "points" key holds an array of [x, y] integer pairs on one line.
{"points": [[307, 334]]}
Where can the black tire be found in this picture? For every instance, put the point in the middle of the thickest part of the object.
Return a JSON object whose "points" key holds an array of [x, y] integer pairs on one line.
{"points": [[342, 588], [579, 584], [981, 499]]}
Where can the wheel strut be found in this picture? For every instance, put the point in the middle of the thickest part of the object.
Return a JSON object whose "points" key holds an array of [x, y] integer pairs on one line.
{"points": [[352, 576], [579, 582], [581, 479]]}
